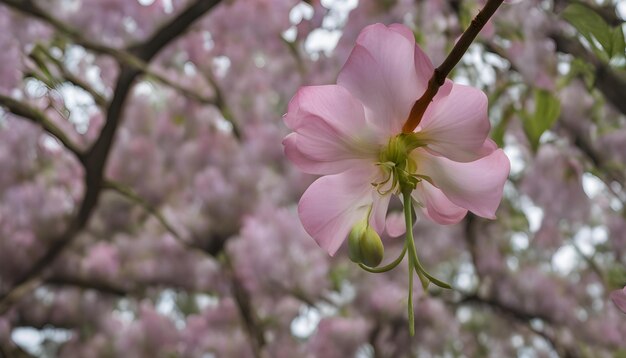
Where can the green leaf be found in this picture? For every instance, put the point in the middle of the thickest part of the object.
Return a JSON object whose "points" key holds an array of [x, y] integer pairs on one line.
{"points": [[593, 27], [547, 110], [619, 45]]}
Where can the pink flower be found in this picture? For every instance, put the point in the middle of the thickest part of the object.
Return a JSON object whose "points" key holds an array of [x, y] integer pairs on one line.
{"points": [[619, 298], [351, 133]]}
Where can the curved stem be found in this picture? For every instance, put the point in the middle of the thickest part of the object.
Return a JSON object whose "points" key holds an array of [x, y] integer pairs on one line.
{"points": [[424, 276], [387, 267]]}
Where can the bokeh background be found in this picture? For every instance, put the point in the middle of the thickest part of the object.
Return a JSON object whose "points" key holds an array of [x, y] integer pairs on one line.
{"points": [[147, 210]]}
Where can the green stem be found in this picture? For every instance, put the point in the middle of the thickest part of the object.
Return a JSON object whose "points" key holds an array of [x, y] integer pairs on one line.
{"points": [[410, 303], [410, 242], [408, 220], [387, 267], [424, 276]]}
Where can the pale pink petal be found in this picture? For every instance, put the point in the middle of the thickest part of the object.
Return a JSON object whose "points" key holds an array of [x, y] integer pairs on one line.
{"points": [[436, 206], [456, 126], [381, 73], [315, 165], [395, 224], [379, 212], [402, 30], [488, 147], [334, 203], [423, 66], [330, 130], [331, 103], [476, 186], [619, 299], [424, 69]]}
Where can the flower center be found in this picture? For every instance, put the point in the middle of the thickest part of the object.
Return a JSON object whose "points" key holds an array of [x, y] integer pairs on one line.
{"points": [[397, 165]]}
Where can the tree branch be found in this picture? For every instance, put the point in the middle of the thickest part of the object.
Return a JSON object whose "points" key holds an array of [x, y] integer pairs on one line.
{"points": [[36, 116], [247, 312], [88, 284]]}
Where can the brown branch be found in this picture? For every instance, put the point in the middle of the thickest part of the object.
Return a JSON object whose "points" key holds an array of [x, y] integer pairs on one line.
{"points": [[246, 310], [96, 158], [441, 72], [36, 116], [220, 103], [88, 284]]}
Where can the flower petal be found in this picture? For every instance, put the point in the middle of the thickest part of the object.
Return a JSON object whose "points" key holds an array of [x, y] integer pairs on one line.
{"points": [[476, 186], [315, 165], [436, 206], [619, 299], [330, 130], [456, 126], [334, 203], [379, 212], [395, 225], [381, 73]]}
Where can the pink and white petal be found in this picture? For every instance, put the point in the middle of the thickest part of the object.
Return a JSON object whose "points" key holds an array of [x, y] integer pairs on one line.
{"points": [[381, 73], [331, 164], [402, 30], [476, 186], [379, 211], [331, 103], [334, 203], [436, 206], [456, 126], [619, 299], [329, 127], [488, 147], [395, 224], [423, 66]]}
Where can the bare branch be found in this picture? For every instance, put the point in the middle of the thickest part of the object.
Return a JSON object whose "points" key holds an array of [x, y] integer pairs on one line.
{"points": [[36, 116], [89, 284], [247, 312]]}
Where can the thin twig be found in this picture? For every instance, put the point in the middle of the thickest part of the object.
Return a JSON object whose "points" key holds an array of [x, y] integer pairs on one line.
{"points": [[35, 115], [441, 72], [130, 194]]}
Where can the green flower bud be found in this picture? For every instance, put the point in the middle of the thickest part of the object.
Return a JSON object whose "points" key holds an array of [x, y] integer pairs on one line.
{"points": [[365, 246]]}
